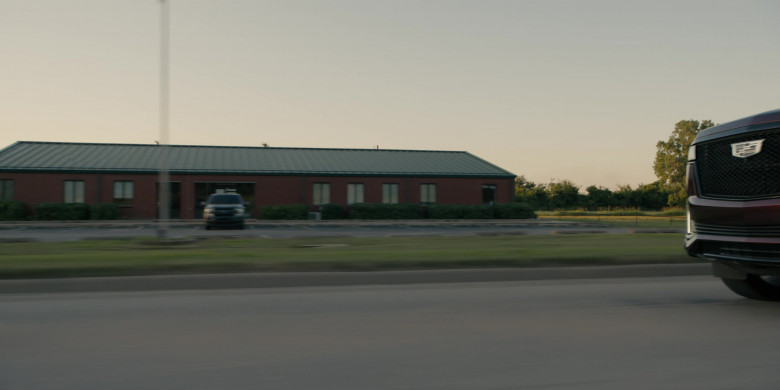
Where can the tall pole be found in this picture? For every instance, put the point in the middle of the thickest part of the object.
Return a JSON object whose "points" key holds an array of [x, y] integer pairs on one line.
{"points": [[164, 181]]}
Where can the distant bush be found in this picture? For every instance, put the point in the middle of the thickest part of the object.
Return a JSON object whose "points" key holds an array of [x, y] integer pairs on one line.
{"points": [[565, 195], [332, 211], [12, 210], [104, 211], [61, 211], [459, 211], [285, 211], [385, 211], [377, 211], [673, 213], [513, 211], [613, 213]]}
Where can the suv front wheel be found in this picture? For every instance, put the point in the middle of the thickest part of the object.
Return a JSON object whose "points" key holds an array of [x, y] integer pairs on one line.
{"points": [[765, 288]]}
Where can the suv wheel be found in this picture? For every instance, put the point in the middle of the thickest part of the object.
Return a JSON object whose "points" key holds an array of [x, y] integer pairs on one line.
{"points": [[764, 288]]}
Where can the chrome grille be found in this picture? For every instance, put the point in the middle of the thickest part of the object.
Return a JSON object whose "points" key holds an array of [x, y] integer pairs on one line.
{"points": [[739, 250], [722, 175], [738, 231]]}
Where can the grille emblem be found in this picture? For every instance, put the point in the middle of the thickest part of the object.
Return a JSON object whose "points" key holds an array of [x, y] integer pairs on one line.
{"points": [[746, 149]]}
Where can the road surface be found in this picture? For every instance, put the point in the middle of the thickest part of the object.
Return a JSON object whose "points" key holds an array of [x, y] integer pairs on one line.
{"points": [[637, 333], [32, 231]]}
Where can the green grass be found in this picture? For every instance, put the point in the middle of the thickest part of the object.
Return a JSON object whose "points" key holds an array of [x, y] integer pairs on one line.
{"points": [[103, 258], [651, 221]]}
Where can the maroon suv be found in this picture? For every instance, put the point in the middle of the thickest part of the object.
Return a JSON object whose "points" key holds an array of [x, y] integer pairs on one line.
{"points": [[734, 203]]}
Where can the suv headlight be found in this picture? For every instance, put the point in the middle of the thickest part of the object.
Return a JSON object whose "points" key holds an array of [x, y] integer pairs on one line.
{"points": [[689, 226], [692, 153]]}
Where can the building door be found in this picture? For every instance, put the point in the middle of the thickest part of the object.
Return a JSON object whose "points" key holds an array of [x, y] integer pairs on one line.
{"points": [[175, 211]]}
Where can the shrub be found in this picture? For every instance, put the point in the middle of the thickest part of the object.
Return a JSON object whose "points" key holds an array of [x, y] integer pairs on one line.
{"points": [[601, 213], [12, 211], [385, 211], [332, 211], [61, 211], [513, 211], [104, 211], [285, 211], [457, 211], [673, 213]]}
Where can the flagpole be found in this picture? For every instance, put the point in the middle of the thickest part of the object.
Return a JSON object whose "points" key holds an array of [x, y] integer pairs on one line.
{"points": [[164, 180]]}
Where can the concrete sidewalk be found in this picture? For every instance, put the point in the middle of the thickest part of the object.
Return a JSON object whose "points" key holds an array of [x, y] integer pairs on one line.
{"points": [[319, 279]]}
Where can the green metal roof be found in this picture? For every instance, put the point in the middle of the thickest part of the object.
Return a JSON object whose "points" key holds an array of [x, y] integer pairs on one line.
{"points": [[134, 158]]}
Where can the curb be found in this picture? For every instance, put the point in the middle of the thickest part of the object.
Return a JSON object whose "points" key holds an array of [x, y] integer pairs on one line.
{"points": [[323, 279]]}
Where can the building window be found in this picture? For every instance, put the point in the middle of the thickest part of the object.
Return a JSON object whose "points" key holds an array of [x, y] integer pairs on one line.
{"points": [[489, 193], [428, 193], [6, 190], [123, 191], [321, 193], [74, 191], [354, 193], [390, 193]]}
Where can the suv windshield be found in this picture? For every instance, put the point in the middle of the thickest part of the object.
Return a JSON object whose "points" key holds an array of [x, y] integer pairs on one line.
{"points": [[224, 199]]}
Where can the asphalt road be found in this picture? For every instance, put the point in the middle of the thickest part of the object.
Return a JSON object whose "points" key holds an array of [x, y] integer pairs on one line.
{"points": [[639, 333], [81, 231]]}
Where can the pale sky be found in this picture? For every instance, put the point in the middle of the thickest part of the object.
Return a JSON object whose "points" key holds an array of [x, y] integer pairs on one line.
{"points": [[577, 90]]}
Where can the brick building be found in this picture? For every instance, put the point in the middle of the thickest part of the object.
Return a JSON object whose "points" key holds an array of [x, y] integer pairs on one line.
{"points": [[127, 174]]}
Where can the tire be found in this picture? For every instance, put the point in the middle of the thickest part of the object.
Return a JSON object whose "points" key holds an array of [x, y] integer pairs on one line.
{"points": [[763, 288]]}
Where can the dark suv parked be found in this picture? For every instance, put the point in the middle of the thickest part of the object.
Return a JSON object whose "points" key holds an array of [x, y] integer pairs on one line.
{"points": [[224, 210], [734, 203]]}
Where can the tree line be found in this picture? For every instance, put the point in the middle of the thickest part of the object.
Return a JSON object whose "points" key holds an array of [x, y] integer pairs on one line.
{"points": [[670, 165], [565, 195]]}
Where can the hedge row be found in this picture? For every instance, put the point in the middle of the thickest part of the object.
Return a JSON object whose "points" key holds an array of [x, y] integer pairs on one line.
{"points": [[12, 211], [332, 211], [75, 211], [495, 211], [513, 211], [17, 211], [104, 211], [453, 211], [285, 211], [385, 211], [402, 211]]}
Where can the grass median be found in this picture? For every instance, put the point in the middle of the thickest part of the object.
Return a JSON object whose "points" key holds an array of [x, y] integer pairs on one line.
{"points": [[625, 221], [138, 257]]}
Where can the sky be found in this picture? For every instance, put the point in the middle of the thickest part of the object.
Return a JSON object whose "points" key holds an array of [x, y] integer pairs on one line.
{"points": [[551, 90]]}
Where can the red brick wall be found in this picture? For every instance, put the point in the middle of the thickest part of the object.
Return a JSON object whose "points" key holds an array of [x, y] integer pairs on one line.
{"points": [[34, 188]]}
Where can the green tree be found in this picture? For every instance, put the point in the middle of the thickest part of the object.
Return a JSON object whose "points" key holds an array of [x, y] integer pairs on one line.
{"points": [[671, 158], [598, 198], [625, 197], [532, 193], [652, 196], [563, 195]]}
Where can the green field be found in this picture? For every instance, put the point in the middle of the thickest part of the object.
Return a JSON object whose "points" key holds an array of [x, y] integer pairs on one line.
{"points": [[626, 221], [138, 257]]}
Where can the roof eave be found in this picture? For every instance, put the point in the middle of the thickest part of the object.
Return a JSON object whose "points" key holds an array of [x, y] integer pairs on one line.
{"points": [[257, 173]]}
